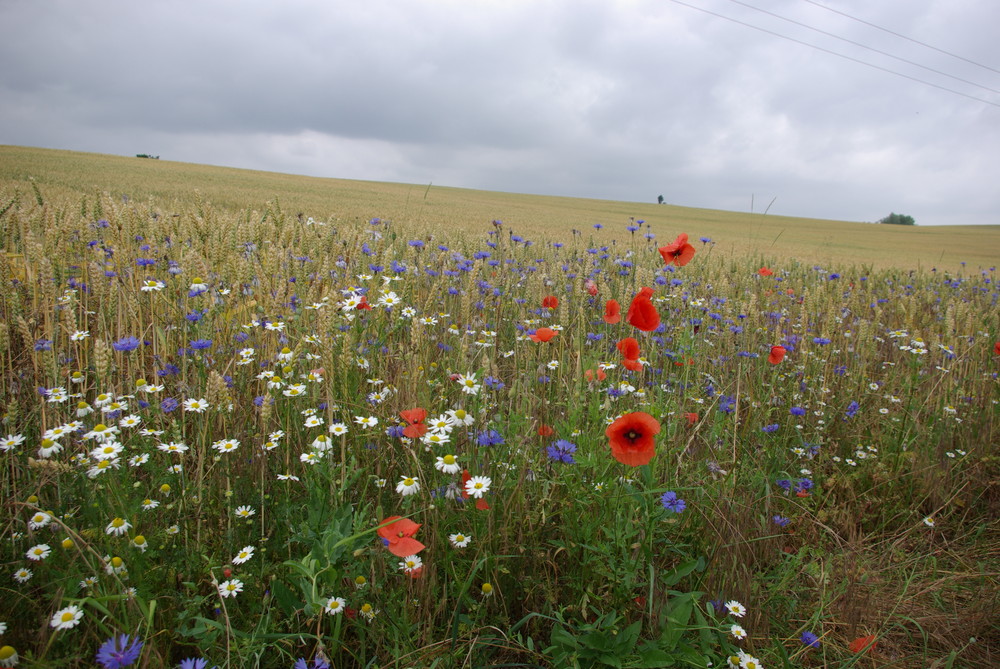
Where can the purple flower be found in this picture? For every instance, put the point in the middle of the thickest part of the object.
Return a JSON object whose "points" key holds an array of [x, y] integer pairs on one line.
{"points": [[809, 639], [822, 341], [770, 428], [117, 652], [671, 502], [562, 451], [125, 344], [201, 344], [852, 409], [169, 405], [43, 345], [781, 521], [489, 438], [317, 663], [797, 411]]}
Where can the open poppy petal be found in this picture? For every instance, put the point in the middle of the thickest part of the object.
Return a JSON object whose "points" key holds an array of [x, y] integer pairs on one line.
{"points": [[679, 252], [417, 415], [641, 313], [629, 348], [550, 302], [632, 438], [612, 312], [404, 546], [542, 334], [861, 643], [777, 355], [415, 430], [632, 364], [395, 527]]}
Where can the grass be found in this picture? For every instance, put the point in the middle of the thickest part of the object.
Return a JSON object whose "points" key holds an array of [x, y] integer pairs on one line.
{"points": [[443, 210], [849, 490]]}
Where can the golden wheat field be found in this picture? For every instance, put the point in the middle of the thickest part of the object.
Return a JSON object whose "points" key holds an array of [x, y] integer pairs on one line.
{"points": [[431, 209]]}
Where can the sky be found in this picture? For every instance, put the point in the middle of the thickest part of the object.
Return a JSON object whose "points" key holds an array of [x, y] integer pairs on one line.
{"points": [[618, 100]]}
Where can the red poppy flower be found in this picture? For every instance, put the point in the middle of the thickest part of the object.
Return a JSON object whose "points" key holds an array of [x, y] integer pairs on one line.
{"points": [[861, 643], [415, 418], [397, 534], [692, 418], [589, 374], [632, 364], [641, 313], [363, 304], [545, 430], [629, 348], [679, 252], [996, 348], [543, 334], [612, 312], [777, 355], [550, 302], [590, 287], [631, 438], [763, 271], [480, 501]]}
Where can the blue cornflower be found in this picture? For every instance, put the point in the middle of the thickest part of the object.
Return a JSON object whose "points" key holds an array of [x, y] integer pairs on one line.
{"points": [[852, 409], [416, 243], [562, 451], [797, 411], [117, 652], [195, 663], [145, 262], [822, 341], [671, 502], [201, 344], [804, 485], [489, 438], [169, 404], [784, 484], [43, 345], [597, 226], [493, 383], [809, 639], [317, 663], [125, 344], [781, 521], [770, 428]]}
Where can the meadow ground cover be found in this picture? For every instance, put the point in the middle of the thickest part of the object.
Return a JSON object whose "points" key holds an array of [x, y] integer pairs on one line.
{"points": [[247, 438]]}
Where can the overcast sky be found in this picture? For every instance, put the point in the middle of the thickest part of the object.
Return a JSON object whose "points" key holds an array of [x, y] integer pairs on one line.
{"points": [[615, 100]]}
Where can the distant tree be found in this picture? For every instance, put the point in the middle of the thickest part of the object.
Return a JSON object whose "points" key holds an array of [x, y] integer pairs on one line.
{"points": [[659, 199], [897, 219]]}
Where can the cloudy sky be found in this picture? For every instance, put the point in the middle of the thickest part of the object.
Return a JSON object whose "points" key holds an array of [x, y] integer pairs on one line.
{"points": [[622, 100]]}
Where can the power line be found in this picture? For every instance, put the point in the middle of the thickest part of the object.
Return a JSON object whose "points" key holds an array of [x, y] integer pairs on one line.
{"points": [[864, 46], [839, 55], [910, 39]]}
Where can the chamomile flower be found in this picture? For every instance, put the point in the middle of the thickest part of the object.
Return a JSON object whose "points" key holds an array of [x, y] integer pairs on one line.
{"points": [[460, 417], [366, 421], [226, 445], [735, 608], [39, 520], [245, 511], [338, 429], [738, 632], [149, 504], [459, 540], [929, 521], [130, 421], [139, 541], [11, 441], [195, 405], [230, 588], [152, 285], [23, 575], [175, 447], [68, 618], [313, 421], [79, 335], [447, 465], [477, 486], [469, 384], [408, 486], [118, 527], [335, 605], [38, 552], [243, 555], [411, 563]]}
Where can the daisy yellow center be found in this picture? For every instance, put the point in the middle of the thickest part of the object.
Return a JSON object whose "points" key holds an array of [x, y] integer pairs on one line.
{"points": [[140, 383], [165, 487], [243, 554], [117, 522], [197, 279], [478, 486], [139, 540], [67, 543], [82, 405], [100, 427], [460, 414], [408, 482], [67, 616], [459, 537], [361, 580], [231, 586], [47, 443], [147, 502], [117, 562], [410, 564], [286, 351], [366, 608], [449, 459], [334, 605]]}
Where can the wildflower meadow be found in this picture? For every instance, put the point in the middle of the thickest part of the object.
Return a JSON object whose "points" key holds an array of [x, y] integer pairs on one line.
{"points": [[253, 438]]}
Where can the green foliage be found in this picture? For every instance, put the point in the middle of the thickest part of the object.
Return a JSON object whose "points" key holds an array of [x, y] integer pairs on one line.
{"points": [[897, 219]]}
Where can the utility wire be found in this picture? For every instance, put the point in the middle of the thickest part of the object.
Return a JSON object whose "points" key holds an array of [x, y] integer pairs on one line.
{"points": [[909, 39], [864, 46], [839, 55]]}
